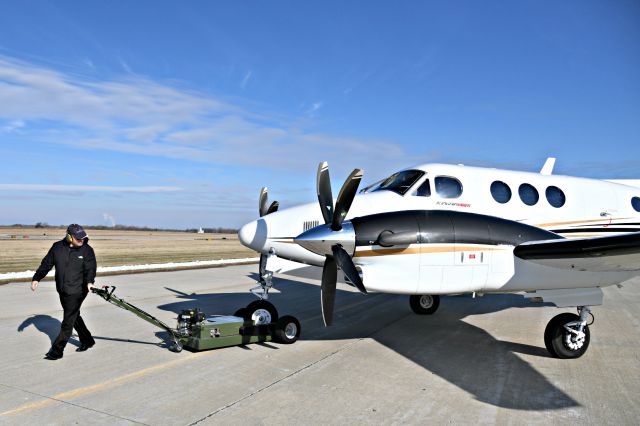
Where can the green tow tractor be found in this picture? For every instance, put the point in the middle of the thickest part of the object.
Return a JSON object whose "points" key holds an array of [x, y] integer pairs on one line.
{"points": [[258, 322]]}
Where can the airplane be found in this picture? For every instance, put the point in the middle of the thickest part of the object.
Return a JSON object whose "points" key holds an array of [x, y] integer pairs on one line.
{"points": [[439, 229]]}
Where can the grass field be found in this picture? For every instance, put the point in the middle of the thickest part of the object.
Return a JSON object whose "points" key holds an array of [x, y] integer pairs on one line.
{"points": [[22, 249]]}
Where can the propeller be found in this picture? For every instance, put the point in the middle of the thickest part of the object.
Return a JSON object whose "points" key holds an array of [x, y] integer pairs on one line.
{"points": [[334, 237], [264, 201], [336, 215], [264, 209]]}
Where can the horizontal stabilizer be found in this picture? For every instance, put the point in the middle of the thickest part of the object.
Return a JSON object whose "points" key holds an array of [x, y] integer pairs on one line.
{"points": [[600, 254]]}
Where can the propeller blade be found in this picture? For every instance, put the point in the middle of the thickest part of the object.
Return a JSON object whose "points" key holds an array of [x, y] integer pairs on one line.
{"points": [[328, 289], [323, 188], [262, 269], [264, 201], [388, 238], [273, 207], [345, 198], [345, 263], [262, 204]]}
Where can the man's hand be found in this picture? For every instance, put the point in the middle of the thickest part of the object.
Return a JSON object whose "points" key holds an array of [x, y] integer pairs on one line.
{"points": [[90, 286], [34, 285]]}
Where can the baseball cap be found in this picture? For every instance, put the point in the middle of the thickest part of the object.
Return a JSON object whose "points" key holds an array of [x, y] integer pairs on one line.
{"points": [[76, 231]]}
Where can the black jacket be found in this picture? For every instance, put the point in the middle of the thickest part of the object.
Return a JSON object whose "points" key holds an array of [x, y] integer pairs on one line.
{"points": [[75, 267]]}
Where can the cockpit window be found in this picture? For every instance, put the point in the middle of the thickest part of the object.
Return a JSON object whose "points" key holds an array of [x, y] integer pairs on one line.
{"points": [[448, 187], [399, 182], [372, 187], [424, 190]]}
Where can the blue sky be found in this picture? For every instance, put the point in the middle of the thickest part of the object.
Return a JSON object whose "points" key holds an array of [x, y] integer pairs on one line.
{"points": [[174, 114]]}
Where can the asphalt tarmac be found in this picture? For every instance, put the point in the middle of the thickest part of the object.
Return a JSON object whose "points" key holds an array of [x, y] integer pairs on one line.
{"points": [[476, 361]]}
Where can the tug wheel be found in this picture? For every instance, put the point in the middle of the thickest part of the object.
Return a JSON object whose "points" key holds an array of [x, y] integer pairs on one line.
{"points": [[560, 342], [261, 312], [424, 304], [175, 347], [287, 330]]}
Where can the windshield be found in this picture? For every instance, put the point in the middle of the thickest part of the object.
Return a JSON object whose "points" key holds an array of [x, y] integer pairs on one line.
{"points": [[398, 182]]}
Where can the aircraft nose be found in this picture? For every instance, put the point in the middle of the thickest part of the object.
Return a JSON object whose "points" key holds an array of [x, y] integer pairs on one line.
{"points": [[254, 235]]}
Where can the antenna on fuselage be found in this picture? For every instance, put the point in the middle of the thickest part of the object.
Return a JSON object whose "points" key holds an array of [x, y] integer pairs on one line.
{"points": [[547, 169]]}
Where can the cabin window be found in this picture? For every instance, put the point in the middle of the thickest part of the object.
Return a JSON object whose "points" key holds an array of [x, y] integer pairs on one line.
{"points": [[500, 191], [424, 190], [555, 196], [448, 187], [528, 194], [400, 182], [635, 202]]}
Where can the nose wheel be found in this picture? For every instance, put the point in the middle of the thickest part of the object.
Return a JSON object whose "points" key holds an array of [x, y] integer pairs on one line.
{"points": [[424, 304], [259, 312]]}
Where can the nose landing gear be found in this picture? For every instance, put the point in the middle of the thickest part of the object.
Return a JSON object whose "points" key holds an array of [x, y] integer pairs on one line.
{"points": [[259, 311], [424, 304]]}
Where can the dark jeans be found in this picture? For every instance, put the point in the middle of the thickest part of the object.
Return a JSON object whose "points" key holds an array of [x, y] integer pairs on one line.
{"points": [[72, 319]]}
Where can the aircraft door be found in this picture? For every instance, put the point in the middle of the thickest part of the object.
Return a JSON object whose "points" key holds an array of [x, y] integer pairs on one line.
{"points": [[471, 259], [602, 201]]}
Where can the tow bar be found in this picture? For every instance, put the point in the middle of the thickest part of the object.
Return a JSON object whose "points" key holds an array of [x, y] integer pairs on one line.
{"points": [[197, 331]]}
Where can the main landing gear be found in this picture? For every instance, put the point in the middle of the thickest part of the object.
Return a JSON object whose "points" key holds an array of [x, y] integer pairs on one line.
{"points": [[567, 335], [424, 304]]}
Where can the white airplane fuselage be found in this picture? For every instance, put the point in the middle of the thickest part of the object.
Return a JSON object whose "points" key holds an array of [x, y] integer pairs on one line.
{"points": [[569, 206]]}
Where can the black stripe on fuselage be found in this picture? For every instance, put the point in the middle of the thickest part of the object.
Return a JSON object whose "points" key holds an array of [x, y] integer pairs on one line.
{"points": [[447, 227], [612, 245]]}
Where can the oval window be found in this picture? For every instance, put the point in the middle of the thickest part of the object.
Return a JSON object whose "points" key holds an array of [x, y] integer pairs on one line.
{"points": [[500, 191], [635, 202], [528, 194], [555, 196], [448, 187]]}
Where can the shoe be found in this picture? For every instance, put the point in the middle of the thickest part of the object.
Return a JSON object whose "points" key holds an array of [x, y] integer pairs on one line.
{"points": [[84, 346], [51, 356]]}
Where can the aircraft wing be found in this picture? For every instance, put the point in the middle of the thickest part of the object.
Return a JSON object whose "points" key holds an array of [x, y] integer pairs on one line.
{"points": [[599, 254]]}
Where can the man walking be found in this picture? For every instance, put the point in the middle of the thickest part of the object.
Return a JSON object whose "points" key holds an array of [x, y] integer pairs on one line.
{"points": [[75, 264]]}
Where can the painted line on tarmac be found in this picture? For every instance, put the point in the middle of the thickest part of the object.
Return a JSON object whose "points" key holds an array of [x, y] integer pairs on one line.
{"points": [[86, 390]]}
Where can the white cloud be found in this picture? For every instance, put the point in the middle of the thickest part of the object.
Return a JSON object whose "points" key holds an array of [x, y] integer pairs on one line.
{"points": [[145, 117], [85, 188], [13, 126], [314, 108], [245, 80], [88, 62]]}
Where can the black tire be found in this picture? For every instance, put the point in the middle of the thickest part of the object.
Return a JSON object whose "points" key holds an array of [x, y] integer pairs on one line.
{"points": [[261, 312], [242, 312], [424, 304], [559, 341], [287, 330]]}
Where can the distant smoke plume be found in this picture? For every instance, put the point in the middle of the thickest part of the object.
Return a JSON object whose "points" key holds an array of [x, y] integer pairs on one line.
{"points": [[109, 218]]}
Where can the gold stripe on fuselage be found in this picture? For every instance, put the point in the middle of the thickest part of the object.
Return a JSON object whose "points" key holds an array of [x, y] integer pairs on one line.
{"points": [[427, 248], [605, 221]]}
